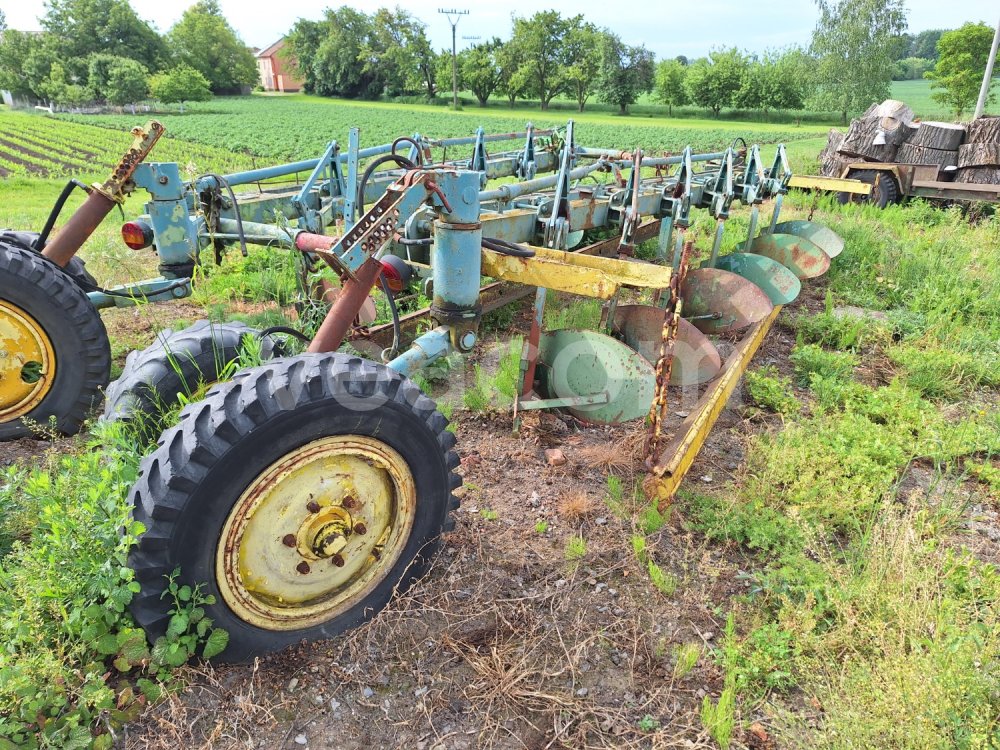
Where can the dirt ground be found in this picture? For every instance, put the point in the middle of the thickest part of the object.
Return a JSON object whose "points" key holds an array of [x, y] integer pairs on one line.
{"points": [[507, 642]]}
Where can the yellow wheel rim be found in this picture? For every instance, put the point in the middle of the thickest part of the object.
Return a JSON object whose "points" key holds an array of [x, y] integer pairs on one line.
{"points": [[27, 362], [315, 532]]}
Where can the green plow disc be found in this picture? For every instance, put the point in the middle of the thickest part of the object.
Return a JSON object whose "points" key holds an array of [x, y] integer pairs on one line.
{"points": [[778, 283], [718, 301], [801, 256], [587, 365], [823, 237]]}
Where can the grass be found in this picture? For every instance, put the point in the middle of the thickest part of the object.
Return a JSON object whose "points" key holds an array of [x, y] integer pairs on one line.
{"points": [[917, 94]]}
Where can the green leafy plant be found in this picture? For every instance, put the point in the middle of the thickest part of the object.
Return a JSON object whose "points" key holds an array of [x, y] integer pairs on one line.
{"points": [[686, 657], [489, 515], [648, 724], [771, 391], [576, 548], [541, 527], [810, 359]]}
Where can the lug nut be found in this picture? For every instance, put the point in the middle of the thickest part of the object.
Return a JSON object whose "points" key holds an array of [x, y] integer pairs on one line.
{"points": [[312, 506], [302, 567], [349, 502], [377, 553], [337, 560], [288, 540], [360, 529]]}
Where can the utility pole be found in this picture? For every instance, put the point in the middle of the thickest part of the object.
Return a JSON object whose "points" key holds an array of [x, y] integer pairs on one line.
{"points": [[454, 70], [988, 78]]}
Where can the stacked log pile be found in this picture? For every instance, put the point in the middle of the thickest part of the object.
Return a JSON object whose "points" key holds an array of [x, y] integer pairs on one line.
{"points": [[887, 133]]}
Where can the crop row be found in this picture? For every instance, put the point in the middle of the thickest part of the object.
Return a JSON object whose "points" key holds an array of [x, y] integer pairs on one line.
{"points": [[296, 128]]}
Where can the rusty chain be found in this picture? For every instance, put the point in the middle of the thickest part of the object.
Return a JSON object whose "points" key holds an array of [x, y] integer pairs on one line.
{"points": [[664, 363]]}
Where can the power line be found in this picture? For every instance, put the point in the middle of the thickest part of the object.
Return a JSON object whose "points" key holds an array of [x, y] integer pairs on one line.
{"points": [[454, 70]]}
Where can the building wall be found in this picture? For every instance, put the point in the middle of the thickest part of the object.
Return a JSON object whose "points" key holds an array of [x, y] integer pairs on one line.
{"points": [[275, 73]]}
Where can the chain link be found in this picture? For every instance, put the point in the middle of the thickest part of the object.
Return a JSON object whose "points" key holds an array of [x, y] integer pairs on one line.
{"points": [[665, 361]]}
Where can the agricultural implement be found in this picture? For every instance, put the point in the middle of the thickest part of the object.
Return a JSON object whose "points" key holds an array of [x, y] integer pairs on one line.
{"points": [[304, 491]]}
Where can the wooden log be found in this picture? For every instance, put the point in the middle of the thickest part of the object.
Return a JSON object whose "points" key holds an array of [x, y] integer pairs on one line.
{"points": [[979, 155], [910, 154], [982, 175], [833, 140], [985, 129], [835, 165], [895, 121], [944, 136], [860, 141]]}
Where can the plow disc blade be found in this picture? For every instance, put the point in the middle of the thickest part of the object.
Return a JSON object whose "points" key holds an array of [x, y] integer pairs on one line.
{"points": [[589, 366], [779, 284], [823, 237], [805, 259], [718, 301], [696, 360]]}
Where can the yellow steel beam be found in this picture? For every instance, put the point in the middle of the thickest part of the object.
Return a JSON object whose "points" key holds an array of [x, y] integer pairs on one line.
{"points": [[678, 455], [835, 184], [588, 275]]}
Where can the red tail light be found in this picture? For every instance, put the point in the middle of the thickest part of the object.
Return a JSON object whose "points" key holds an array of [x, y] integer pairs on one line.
{"points": [[397, 273], [137, 234]]}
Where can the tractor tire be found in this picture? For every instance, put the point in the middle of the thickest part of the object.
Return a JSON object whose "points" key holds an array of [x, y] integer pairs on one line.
{"points": [[76, 268], [55, 358], [301, 495], [885, 189], [173, 367]]}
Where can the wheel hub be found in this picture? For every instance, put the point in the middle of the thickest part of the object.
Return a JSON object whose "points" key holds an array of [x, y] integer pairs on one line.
{"points": [[315, 532], [27, 362]]}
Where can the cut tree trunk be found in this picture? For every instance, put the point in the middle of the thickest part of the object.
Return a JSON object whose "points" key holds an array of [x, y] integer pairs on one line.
{"points": [[944, 136], [911, 154], [984, 175], [979, 155], [985, 129], [835, 165], [860, 138]]}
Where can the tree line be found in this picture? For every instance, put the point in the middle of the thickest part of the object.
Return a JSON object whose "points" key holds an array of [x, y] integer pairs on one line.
{"points": [[102, 51]]}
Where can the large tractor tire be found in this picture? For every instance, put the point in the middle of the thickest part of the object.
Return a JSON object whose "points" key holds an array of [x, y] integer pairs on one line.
{"points": [[76, 268], [55, 358], [302, 495], [175, 366]]}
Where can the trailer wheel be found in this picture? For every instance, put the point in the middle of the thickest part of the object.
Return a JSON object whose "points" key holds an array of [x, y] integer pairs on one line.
{"points": [[55, 358], [302, 495], [885, 189], [76, 268], [176, 365]]}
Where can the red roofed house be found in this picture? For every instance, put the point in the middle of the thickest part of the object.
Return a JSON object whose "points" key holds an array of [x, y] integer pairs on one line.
{"points": [[276, 71]]}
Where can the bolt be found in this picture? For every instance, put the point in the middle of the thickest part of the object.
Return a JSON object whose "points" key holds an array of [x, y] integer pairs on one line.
{"points": [[377, 553], [288, 540], [338, 560], [312, 506], [302, 567], [360, 528], [468, 340], [349, 502]]}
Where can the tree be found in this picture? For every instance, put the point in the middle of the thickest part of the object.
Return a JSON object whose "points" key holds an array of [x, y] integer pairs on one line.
{"points": [[626, 72], [541, 44], [479, 69], [328, 54], [128, 82], [925, 44], [3, 20], [778, 80], [84, 27], [713, 82], [59, 88], [682, 59], [962, 57], [513, 74], [583, 61], [397, 54], [179, 85], [912, 68], [204, 40], [853, 42], [670, 88]]}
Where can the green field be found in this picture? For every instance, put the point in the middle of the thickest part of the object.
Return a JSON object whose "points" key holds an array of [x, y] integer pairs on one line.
{"points": [[296, 127], [917, 94]]}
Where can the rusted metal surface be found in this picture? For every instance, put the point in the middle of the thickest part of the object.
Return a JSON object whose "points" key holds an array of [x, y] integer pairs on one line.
{"points": [[823, 237], [718, 301], [345, 309], [118, 183], [696, 360], [665, 360], [677, 456], [78, 229], [801, 256]]}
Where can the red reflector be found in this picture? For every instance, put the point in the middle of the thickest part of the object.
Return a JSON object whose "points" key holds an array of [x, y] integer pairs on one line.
{"points": [[137, 235], [392, 278]]}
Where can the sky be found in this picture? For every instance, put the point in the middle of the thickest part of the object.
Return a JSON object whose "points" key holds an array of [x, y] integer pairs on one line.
{"points": [[687, 27]]}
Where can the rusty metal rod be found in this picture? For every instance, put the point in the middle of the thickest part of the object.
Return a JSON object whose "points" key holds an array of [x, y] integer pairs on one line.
{"points": [[80, 226], [345, 309]]}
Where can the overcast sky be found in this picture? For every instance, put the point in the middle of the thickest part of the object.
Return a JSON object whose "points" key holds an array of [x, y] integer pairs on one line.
{"points": [[675, 27]]}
